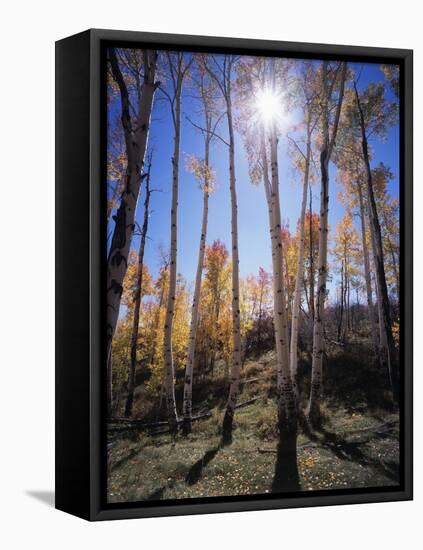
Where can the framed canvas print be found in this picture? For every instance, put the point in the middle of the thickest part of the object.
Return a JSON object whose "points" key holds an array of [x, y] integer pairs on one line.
{"points": [[234, 274]]}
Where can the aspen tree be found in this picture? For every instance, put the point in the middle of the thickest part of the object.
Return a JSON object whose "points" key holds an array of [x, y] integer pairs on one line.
{"points": [[136, 130], [220, 70], [325, 157], [178, 67]]}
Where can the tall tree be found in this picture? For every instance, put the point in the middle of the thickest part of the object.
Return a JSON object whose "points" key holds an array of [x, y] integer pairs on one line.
{"points": [[346, 254], [206, 89], [204, 175], [201, 171], [177, 65], [260, 82], [311, 242], [367, 277], [333, 78], [136, 130], [307, 92], [286, 473], [138, 296], [352, 176], [374, 115], [220, 69]]}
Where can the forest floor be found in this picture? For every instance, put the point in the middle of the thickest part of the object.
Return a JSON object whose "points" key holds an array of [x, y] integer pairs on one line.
{"points": [[357, 446]]}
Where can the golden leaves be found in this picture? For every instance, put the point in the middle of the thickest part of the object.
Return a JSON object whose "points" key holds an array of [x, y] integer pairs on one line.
{"points": [[202, 171]]}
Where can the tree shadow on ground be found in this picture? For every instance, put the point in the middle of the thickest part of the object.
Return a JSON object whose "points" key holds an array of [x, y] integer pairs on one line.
{"points": [[196, 471], [126, 458], [352, 451]]}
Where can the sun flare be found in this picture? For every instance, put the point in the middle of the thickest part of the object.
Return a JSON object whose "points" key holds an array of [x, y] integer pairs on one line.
{"points": [[269, 105]]}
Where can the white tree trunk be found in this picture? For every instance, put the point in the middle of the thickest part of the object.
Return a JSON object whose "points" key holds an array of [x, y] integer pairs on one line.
{"points": [[137, 301], [318, 344], [286, 471], [318, 328], [389, 353], [286, 397], [171, 299], [236, 332], [367, 271], [136, 138], [300, 274], [383, 341], [187, 402], [382, 334], [311, 244], [277, 278]]}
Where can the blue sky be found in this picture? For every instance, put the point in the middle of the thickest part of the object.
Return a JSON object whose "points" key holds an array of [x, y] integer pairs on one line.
{"points": [[254, 248]]}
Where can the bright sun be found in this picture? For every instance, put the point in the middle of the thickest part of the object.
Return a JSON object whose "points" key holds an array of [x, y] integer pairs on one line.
{"points": [[269, 105]]}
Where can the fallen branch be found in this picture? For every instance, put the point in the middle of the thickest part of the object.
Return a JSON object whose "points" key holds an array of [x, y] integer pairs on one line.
{"points": [[246, 403], [121, 424], [274, 451]]}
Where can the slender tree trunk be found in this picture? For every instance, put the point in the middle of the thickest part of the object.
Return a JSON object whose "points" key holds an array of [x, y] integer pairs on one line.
{"points": [[136, 138], [286, 476], [156, 325], [277, 278], [236, 332], [367, 271], [300, 272], [287, 414], [162, 300], [382, 334], [287, 417], [187, 402], [383, 342], [318, 329], [137, 301], [213, 341], [347, 300], [341, 313], [287, 293], [390, 351], [318, 344], [259, 321], [171, 300], [311, 257]]}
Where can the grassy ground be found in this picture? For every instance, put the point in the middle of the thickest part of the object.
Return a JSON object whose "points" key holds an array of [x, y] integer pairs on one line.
{"points": [[356, 447]]}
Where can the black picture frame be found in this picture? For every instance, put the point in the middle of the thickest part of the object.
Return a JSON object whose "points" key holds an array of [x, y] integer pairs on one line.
{"points": [[80, 260]]}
